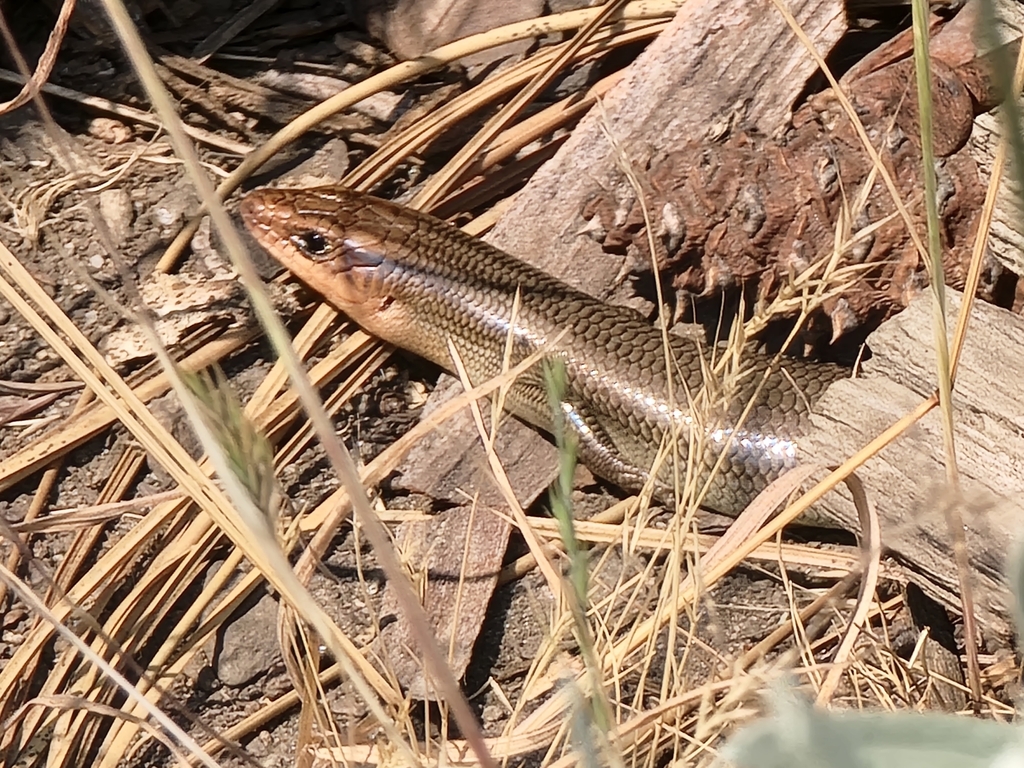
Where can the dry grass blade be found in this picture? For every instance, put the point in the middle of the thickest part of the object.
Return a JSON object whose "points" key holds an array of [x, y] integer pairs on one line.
{"points": [[89, 422], [73, 519], [553, 577], [129, 113], [416, 137], [871, 544], [166, 724], [248, 451], [454, 171], [922, 66], [607, 530], [39, 501], [265, 402], [46, 60]]}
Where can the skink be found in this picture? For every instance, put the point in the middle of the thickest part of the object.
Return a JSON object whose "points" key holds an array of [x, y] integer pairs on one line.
{"points": [[418, 282]]}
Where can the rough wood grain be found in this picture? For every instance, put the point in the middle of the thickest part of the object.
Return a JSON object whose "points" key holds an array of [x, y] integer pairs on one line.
{"points": [[456, 582], [1007, 235], [455, 471], [907, 479]]}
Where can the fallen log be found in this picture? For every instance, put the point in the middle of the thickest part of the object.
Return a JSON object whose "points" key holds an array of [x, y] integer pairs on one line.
{"points": [[906, 480]]}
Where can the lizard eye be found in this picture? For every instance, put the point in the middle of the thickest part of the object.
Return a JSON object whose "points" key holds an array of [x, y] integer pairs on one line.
{"points": [[311, 243]]}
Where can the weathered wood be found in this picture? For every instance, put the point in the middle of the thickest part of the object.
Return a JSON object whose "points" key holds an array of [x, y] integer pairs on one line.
{"points": [[1007, 235], [1006, 238], [907, 480], [456, 471], [457, 580]]}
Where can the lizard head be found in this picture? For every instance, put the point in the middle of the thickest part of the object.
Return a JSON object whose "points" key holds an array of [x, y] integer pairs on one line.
{"points": [[316, 235]]}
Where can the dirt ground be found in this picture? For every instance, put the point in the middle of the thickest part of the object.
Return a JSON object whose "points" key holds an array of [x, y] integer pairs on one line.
{"points": [[129, 174]]}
